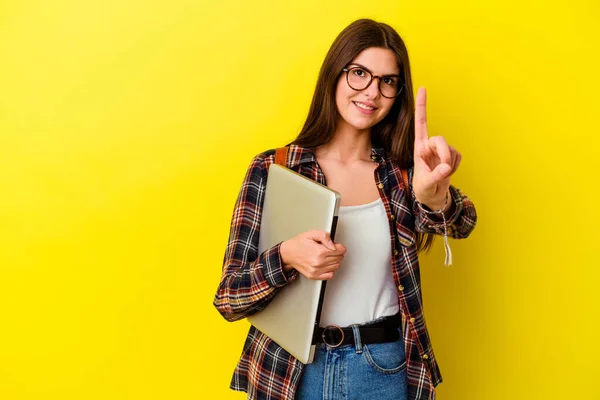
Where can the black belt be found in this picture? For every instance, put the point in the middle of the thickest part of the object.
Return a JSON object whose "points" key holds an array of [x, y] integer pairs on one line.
{"points": [[382, 331]]}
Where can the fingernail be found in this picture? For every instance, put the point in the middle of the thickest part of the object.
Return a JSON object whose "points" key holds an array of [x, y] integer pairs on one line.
{"points": [[331, 245], [445, 169]]}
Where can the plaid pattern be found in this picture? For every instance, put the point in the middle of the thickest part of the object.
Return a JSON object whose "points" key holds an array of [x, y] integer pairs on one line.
{"points": [[250, 280]]}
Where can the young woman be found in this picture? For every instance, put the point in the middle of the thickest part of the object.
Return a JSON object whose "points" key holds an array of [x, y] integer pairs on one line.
{"points": [[363, 138]]}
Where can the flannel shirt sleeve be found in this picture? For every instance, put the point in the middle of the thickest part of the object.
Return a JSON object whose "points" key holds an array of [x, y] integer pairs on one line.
{"points": [[461, 222], [249, 280]]}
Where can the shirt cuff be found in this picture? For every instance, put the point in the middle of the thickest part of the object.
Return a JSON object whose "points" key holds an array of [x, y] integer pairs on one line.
{"points": [[273, 268], [435, 220]]}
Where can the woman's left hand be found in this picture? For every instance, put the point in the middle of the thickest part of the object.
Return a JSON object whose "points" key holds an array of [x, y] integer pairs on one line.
{"points": [[435, 161]]}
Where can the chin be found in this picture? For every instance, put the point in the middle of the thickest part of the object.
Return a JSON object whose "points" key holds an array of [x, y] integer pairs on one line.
{"points": [[358, 122], [362, 125]]}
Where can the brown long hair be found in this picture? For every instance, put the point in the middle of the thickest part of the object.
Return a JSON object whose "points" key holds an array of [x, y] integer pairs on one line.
{"points": [[396, 132]]}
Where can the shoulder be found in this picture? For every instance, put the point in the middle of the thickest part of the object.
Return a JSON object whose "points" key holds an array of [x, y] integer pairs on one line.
{"points": [[296, 155], [259, 165], [265, 157]]}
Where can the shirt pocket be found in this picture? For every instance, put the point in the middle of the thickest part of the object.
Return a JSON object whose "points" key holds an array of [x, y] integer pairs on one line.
{"points": [[405, 220]]}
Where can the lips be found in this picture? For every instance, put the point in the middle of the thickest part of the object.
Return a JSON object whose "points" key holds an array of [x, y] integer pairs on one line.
{"points": [[365, 108]]}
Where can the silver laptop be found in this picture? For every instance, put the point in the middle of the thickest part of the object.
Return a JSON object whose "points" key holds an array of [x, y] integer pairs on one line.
{"points": [[294, 204]]}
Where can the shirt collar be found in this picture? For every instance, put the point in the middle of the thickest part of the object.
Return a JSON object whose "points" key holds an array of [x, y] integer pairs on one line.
{"points": [[377, 153], [303, 155], [300, 155]]}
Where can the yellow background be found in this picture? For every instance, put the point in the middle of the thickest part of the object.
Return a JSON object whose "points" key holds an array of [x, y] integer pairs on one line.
{"points": [[125, 132]]}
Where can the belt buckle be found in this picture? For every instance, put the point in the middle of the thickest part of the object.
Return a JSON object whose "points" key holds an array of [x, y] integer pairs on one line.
{"points": [[332, 327]]}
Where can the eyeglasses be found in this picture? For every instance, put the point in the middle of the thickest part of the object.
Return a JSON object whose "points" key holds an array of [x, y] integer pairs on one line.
{"points": [[360, 78]]}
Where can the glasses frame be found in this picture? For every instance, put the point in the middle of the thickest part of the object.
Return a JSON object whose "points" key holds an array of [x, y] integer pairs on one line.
{"points": [[373, 76]]}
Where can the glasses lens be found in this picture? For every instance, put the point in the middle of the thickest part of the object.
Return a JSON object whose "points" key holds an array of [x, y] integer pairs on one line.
{"points": [[358, 78], [390, 86]]}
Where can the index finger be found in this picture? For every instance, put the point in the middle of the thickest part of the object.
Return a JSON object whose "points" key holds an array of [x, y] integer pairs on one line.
{"points": [[421, 115]]}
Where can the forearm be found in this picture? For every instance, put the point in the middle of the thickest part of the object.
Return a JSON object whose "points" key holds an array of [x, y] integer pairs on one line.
{"points": [[246, 288]]}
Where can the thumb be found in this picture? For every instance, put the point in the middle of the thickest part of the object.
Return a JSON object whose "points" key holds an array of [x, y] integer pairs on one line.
{"points": [[441, 172], [323, 238]]}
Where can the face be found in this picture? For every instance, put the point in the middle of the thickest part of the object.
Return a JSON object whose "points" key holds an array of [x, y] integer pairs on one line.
{"points": [[365, 108]]}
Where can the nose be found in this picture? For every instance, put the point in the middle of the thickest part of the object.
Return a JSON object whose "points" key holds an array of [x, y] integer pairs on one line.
{"points": [[373, 89]]}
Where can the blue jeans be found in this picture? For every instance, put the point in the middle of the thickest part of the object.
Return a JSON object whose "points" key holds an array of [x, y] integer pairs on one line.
{"points": [[359, 371]]}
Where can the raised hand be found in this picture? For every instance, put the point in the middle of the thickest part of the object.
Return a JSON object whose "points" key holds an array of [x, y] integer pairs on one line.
{"points": [[435, 161]]}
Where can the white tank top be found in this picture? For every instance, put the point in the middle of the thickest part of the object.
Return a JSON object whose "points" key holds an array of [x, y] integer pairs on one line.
{"points": [[363, 288]]}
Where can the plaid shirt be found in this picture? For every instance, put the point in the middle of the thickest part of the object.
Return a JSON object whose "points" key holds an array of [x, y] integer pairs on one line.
{"points": [[250, 280]]}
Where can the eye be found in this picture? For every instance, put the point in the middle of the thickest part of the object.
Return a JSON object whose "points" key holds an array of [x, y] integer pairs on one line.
{"points": [[390, 80], [361, 73]]}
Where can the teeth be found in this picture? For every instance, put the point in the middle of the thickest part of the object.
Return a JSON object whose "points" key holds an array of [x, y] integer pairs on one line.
{"points": [[364, 106]]}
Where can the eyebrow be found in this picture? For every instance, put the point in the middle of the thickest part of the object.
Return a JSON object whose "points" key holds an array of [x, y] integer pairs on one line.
{"points": [[362, 66]]}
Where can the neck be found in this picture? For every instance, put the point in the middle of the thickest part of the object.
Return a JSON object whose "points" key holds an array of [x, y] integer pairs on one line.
{"points": [[348, 144]]}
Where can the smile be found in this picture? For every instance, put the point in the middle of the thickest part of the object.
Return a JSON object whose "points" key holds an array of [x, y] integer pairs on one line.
{"points": [[363, 108]]}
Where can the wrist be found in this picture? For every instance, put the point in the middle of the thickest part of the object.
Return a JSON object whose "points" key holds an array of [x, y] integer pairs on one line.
{"points": [[442, 205], [287, 268], [284, 253]]}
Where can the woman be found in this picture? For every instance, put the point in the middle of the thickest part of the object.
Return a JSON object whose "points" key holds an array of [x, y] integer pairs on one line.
{"points": [[362, 130]]}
